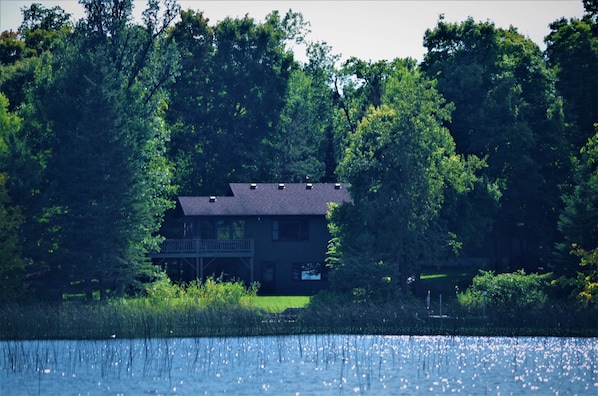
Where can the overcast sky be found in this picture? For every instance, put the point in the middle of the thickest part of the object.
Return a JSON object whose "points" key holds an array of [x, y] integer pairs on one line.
{"points": [[369, 30]]}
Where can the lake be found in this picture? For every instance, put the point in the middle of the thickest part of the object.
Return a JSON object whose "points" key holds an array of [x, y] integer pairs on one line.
{"points": [[302, 365]]}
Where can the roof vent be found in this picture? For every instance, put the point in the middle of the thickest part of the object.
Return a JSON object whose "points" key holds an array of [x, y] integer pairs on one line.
{"points": [[281, 186], [253, 186], [337, 186], [309, 186], [212, 198]]}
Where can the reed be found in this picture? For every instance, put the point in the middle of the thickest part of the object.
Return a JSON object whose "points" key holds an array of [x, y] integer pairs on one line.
{"points": [[149, 317], [101, 321]]}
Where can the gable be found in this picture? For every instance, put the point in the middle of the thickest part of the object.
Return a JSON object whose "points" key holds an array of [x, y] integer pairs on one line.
{"points": [[247, 199]]}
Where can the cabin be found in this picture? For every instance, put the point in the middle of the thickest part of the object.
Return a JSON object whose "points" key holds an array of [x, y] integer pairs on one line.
{"points": [[272, 233]]}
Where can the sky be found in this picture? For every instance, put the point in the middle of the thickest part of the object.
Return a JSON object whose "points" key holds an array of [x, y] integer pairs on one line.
{"points": [[369, 30]]}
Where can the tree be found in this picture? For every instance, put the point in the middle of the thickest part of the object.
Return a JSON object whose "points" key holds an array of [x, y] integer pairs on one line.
{"points": [[507, 110], [12, 264], [572, 50], [191, 101], [360, 85], [400, 163], [11, 47], [23, 52], [591, 7], [300, 144], [507, 296], [43, 27], [225, 124], [106, 181], [304, 143], [578, 224]]}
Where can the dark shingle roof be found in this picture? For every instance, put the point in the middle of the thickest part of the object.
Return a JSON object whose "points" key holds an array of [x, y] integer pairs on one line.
{"points": [[248, 199]]}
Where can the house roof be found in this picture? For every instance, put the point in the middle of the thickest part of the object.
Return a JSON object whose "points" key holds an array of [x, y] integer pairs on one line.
{"points": [[247, 199]]}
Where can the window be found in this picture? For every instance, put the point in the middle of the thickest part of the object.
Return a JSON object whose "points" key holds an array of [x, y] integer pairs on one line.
{"points": [[308, 272], [223, 229], [290, 230]]}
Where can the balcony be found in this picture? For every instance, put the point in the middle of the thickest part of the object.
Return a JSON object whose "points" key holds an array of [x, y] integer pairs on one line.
{"points": [[189, 248]]}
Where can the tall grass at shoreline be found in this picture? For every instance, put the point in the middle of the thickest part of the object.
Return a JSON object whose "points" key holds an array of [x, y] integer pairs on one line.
{"points": [[215, 309], [143, 319], [124, 320]]}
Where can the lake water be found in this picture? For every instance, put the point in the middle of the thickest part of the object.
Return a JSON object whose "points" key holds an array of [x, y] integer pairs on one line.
{"points": [[302, 365]]}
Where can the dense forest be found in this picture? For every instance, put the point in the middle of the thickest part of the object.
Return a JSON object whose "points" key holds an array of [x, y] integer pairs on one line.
{"points": [[488, 145]]}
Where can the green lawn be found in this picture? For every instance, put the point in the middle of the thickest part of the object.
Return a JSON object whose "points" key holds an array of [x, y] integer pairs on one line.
{"points": [[441, 281], [445, 281], [276, 304]]}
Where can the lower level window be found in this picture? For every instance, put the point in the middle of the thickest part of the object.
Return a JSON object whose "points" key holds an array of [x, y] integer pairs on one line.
{"points": [[308, 272]]}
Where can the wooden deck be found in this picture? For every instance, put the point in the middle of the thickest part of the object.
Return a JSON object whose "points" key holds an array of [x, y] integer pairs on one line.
{"points": [[192, 248]]}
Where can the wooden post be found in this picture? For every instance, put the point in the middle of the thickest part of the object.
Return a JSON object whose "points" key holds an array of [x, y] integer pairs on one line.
{"points": [[441, 305]]}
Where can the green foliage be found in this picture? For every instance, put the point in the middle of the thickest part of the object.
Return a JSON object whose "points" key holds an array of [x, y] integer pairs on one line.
{"points": [[507, 110], [508, 295], [162, 288], [109, 106], [105, 181], [42, 28], [333, 312], [586, 283], [302, 142], [211, 293], [226, 104], [278, 304], [214, 293], [572, 51], [12, 264], [358, 270], [578, 223], [11, 47], [400, 163]]}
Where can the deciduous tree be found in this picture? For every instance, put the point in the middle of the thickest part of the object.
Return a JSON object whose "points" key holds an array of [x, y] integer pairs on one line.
{"points": [[400, 162], [227, 103], [572, 50], [506, 109], [578, 224], [12, 264], [23, 52], [304, 142]]}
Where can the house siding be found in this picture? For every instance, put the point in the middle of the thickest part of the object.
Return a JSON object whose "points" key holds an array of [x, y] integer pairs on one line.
{"points": [[285, 262], [286, 253]]}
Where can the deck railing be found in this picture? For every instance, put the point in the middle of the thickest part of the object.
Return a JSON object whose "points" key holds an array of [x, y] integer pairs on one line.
{"points": [[206, 247]]}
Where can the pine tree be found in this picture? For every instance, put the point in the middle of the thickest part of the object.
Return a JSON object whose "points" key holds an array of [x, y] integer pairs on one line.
{"points": [[106, 178]]}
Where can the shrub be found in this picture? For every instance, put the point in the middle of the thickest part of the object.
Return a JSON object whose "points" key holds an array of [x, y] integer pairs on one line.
{"points": [[163, 289], [506, 295], [213, 293]]}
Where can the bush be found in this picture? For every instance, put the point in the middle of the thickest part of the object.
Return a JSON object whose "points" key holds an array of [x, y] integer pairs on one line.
{"points": [[506, 295], [163, 289], [213, 293]]}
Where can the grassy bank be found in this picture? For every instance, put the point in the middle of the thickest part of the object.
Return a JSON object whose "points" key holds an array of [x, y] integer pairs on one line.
{"points": [[146, 320], [149, 317], [214, 309], [278, 304], [446, 281]]}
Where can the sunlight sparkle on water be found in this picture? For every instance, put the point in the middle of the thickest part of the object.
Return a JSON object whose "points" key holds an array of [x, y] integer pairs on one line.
{"points": [[302, 365]]}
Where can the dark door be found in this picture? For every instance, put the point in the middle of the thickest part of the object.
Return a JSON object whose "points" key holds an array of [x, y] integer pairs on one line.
{"points": [[268, 282]]}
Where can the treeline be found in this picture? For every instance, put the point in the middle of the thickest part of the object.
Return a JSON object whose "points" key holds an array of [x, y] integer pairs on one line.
{"points": [[489, 143]]}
